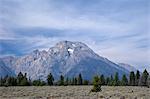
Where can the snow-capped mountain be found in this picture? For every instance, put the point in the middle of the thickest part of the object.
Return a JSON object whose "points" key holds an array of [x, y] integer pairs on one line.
{"points": [[128, 67], [66, 58]]}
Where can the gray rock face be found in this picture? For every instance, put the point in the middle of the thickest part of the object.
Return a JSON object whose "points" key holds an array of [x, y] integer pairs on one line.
{"points": [[66, 58], [4, 70]]}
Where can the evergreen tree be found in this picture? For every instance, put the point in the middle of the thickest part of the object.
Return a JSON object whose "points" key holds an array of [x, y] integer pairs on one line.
{"points": [[148, 82], [7, 81], [102, 80], [70, 81], [79, 80], [137, 78], [61, 81], [116, 80], [143, 80], [96, 84], [1, 81], [132, 79], [110, 83], [124, 81], [85, 82], [19, 78], [24, 81], [11, 81], [50, 79], [67, 81], [38, 83], [75, 81], [107, 81], [14, 81]]}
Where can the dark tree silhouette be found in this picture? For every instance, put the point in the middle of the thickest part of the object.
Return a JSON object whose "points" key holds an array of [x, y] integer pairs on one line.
{"points": [[132, 79], [50, 79], [61, 81], [116, 80], [144, 77], [102, 80], [137, 78], [79, 80], [124, 81]]}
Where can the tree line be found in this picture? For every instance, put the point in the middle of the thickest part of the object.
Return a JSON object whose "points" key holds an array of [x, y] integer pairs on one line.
{"points": [[134, 79]]}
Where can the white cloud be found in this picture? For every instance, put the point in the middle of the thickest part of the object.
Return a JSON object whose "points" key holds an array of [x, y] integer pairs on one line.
{"points": [[112, 30]]}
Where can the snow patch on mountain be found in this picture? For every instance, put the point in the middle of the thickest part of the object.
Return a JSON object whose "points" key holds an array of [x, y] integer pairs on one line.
{"points": [[70, 51]]}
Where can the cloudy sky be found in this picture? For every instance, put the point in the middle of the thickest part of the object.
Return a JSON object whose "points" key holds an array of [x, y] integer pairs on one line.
{"points": [[116, 29]]}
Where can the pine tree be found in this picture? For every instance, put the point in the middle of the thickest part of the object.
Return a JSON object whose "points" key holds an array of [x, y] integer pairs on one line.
{"points": [[50, 79], [96, 84], [19, 78], [116, 80], [4, 81], [67, 81], [102, 80], [7, 81], [110, 83], [75, 81], [61, 81], [143, 80], [22, 80], [137, 78], [85, 82], [124, 81], [148, 82], [132, 79], [70, 81], [107, 81], [14, 81], [38, 83], [79, 80], [1, 81], [30, 82], [11, 81]]}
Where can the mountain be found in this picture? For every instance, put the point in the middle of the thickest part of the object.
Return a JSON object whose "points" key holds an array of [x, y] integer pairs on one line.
{"points": [[128, 67], [4, 70], [66, 58]]}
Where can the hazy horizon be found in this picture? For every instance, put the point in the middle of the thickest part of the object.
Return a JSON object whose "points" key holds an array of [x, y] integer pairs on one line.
{"points": [[117, 30]]}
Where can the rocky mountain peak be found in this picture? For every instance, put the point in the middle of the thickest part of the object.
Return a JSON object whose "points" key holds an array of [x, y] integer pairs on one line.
{"points": [[69, 44], [66, 58]]}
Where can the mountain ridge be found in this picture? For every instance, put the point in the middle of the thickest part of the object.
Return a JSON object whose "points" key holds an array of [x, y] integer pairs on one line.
{"points": [[65, 58], [128, 67]]}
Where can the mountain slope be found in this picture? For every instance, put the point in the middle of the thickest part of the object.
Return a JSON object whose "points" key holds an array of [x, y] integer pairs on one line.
{"points": [[66, 58], [128, 67], [4, 70]]}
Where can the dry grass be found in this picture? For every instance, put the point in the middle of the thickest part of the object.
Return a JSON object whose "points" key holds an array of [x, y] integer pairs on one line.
{"points": [[73, 92]]}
